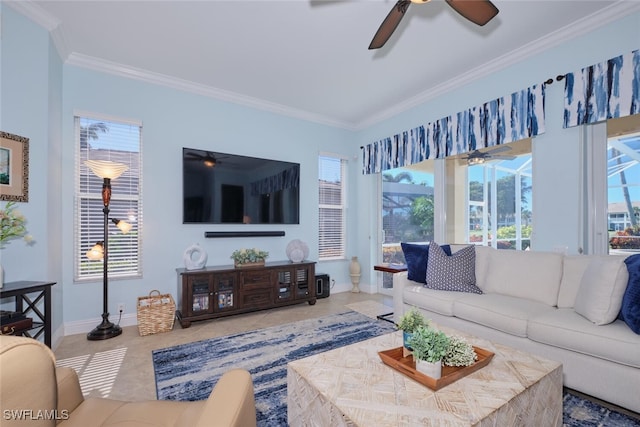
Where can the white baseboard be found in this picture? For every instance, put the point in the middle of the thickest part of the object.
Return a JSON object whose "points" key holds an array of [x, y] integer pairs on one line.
{"points": [[346, 287], [84, 326]]}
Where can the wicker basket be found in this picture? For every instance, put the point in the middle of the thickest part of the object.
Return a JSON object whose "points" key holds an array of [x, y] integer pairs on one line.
{"points": [[156, 313]]}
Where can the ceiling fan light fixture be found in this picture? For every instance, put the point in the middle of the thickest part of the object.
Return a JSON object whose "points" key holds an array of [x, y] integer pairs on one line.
{"points": [[472, 161], [209, 163]]}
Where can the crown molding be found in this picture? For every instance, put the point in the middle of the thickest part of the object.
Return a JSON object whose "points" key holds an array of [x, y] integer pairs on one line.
{"points": [[586, 25], [113, 68]]}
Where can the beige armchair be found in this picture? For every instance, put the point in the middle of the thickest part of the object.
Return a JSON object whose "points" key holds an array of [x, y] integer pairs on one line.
{"points": [[33, 392]]}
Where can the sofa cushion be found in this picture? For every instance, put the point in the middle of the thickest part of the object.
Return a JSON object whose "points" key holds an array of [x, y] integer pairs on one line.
{"points": [[573, 268], [416, 256], [504, 313], [440, 302], [483, 255], [564, 328], [526, 274], [454, 272], [630, 310], [601, 289]]}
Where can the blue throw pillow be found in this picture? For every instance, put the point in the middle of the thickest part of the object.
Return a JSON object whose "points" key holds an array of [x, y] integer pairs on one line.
{"points": [[630, 311], [416, 256]]}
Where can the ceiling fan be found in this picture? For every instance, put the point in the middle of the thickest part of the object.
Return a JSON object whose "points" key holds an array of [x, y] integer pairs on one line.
{"points": [[478, 157], [477, 11], [208, 159]]}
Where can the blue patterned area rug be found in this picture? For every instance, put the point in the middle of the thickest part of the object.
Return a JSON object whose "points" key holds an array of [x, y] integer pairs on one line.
{"points": [[189, 371]]}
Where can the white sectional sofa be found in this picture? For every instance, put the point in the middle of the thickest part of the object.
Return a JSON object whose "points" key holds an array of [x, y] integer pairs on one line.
{"points": [[539, 302]]}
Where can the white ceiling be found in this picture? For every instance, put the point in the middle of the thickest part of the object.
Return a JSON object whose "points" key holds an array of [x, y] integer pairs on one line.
{"points": [[309, 58]]}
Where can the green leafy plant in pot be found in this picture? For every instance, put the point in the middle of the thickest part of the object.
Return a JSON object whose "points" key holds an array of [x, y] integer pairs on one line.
{"points": [[410, 322], [429, 347]]}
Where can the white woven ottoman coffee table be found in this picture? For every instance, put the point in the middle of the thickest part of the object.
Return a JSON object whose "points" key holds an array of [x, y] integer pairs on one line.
{"points": [[351, 386]]}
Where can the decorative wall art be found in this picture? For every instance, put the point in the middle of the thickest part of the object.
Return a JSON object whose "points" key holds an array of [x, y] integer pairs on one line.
{"points": [[14, 167]]}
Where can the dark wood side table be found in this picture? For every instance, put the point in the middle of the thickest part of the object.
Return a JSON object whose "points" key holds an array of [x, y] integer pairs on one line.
{"points": [[32, 293], [389, 268]]}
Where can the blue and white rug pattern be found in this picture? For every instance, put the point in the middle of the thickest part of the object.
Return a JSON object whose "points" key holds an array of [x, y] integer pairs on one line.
{"points": [[578, 412], [189, 371]]}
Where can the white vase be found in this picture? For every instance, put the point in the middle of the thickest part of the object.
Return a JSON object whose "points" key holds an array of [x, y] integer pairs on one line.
{"points": [[354, 272], [434, 370]]}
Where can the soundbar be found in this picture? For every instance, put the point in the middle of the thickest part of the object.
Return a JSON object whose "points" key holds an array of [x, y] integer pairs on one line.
{"points": [[212, 234]]}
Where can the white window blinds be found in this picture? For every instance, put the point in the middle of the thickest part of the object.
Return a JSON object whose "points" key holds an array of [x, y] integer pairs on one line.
{"points": [[331, 184], [117, 141]]}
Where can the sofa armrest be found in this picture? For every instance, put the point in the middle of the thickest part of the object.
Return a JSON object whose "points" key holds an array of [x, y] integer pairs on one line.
{"points": [[231, 403], [400, 280], [69, 391]]}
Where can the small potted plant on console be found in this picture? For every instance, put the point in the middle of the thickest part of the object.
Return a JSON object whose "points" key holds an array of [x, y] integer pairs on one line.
{"points": [[249, 257], [409, 322], [429, 347]]}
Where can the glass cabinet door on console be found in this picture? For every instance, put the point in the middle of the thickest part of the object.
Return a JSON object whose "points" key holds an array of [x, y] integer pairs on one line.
{"points": [[285, 285], [200, 293], [302, 286], [225, 291]]}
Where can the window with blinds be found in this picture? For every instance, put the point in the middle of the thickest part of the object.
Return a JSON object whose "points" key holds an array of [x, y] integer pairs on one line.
{"points": [[116, 141], [331, 184]]}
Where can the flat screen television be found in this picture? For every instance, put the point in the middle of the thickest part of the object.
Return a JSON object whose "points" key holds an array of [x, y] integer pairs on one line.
{"points": [[223, 188]]}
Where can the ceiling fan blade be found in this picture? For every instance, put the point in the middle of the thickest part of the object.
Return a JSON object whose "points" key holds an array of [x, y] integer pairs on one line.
{"points": [[477, 11], [498, 149], [389, 24], [502, 157]]}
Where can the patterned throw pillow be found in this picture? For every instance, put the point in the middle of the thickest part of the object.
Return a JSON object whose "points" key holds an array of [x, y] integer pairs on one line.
{"points": [[456, 272]]}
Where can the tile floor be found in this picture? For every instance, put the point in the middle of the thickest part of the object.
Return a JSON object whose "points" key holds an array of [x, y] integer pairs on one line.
{"points": [[121, 367]]}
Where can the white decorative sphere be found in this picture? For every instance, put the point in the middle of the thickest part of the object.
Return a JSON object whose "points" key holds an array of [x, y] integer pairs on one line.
{"points": [[194, 257], [297, 251]]}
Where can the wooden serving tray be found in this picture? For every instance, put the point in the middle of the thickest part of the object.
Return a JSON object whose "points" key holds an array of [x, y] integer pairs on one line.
{"points": [[406, 366]]}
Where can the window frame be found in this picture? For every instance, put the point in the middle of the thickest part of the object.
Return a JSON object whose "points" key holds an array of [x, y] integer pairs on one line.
{"points": [[338, 250], [88, 204]]}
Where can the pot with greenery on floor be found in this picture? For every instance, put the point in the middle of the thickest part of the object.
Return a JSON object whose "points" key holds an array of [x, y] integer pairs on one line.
{"points": [[429, 347], [409, 322]]}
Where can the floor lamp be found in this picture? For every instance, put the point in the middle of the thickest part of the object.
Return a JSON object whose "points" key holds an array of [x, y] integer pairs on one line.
{"points": [[107, 171]]}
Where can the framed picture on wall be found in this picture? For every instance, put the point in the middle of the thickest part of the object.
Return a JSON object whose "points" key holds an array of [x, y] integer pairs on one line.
{"points": [[14, 167]]}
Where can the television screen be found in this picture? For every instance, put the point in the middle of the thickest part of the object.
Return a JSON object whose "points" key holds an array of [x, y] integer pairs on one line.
{"points": [[223, 188]]}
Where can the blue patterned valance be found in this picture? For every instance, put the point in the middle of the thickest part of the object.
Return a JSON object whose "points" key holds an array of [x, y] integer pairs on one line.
{"points": [[288, 178], [603, 91], [500, 121]]}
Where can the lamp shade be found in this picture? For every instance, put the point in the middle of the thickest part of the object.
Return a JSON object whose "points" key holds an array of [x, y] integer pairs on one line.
{"points": [[106, 168], [123, 226], [97, 252]]}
